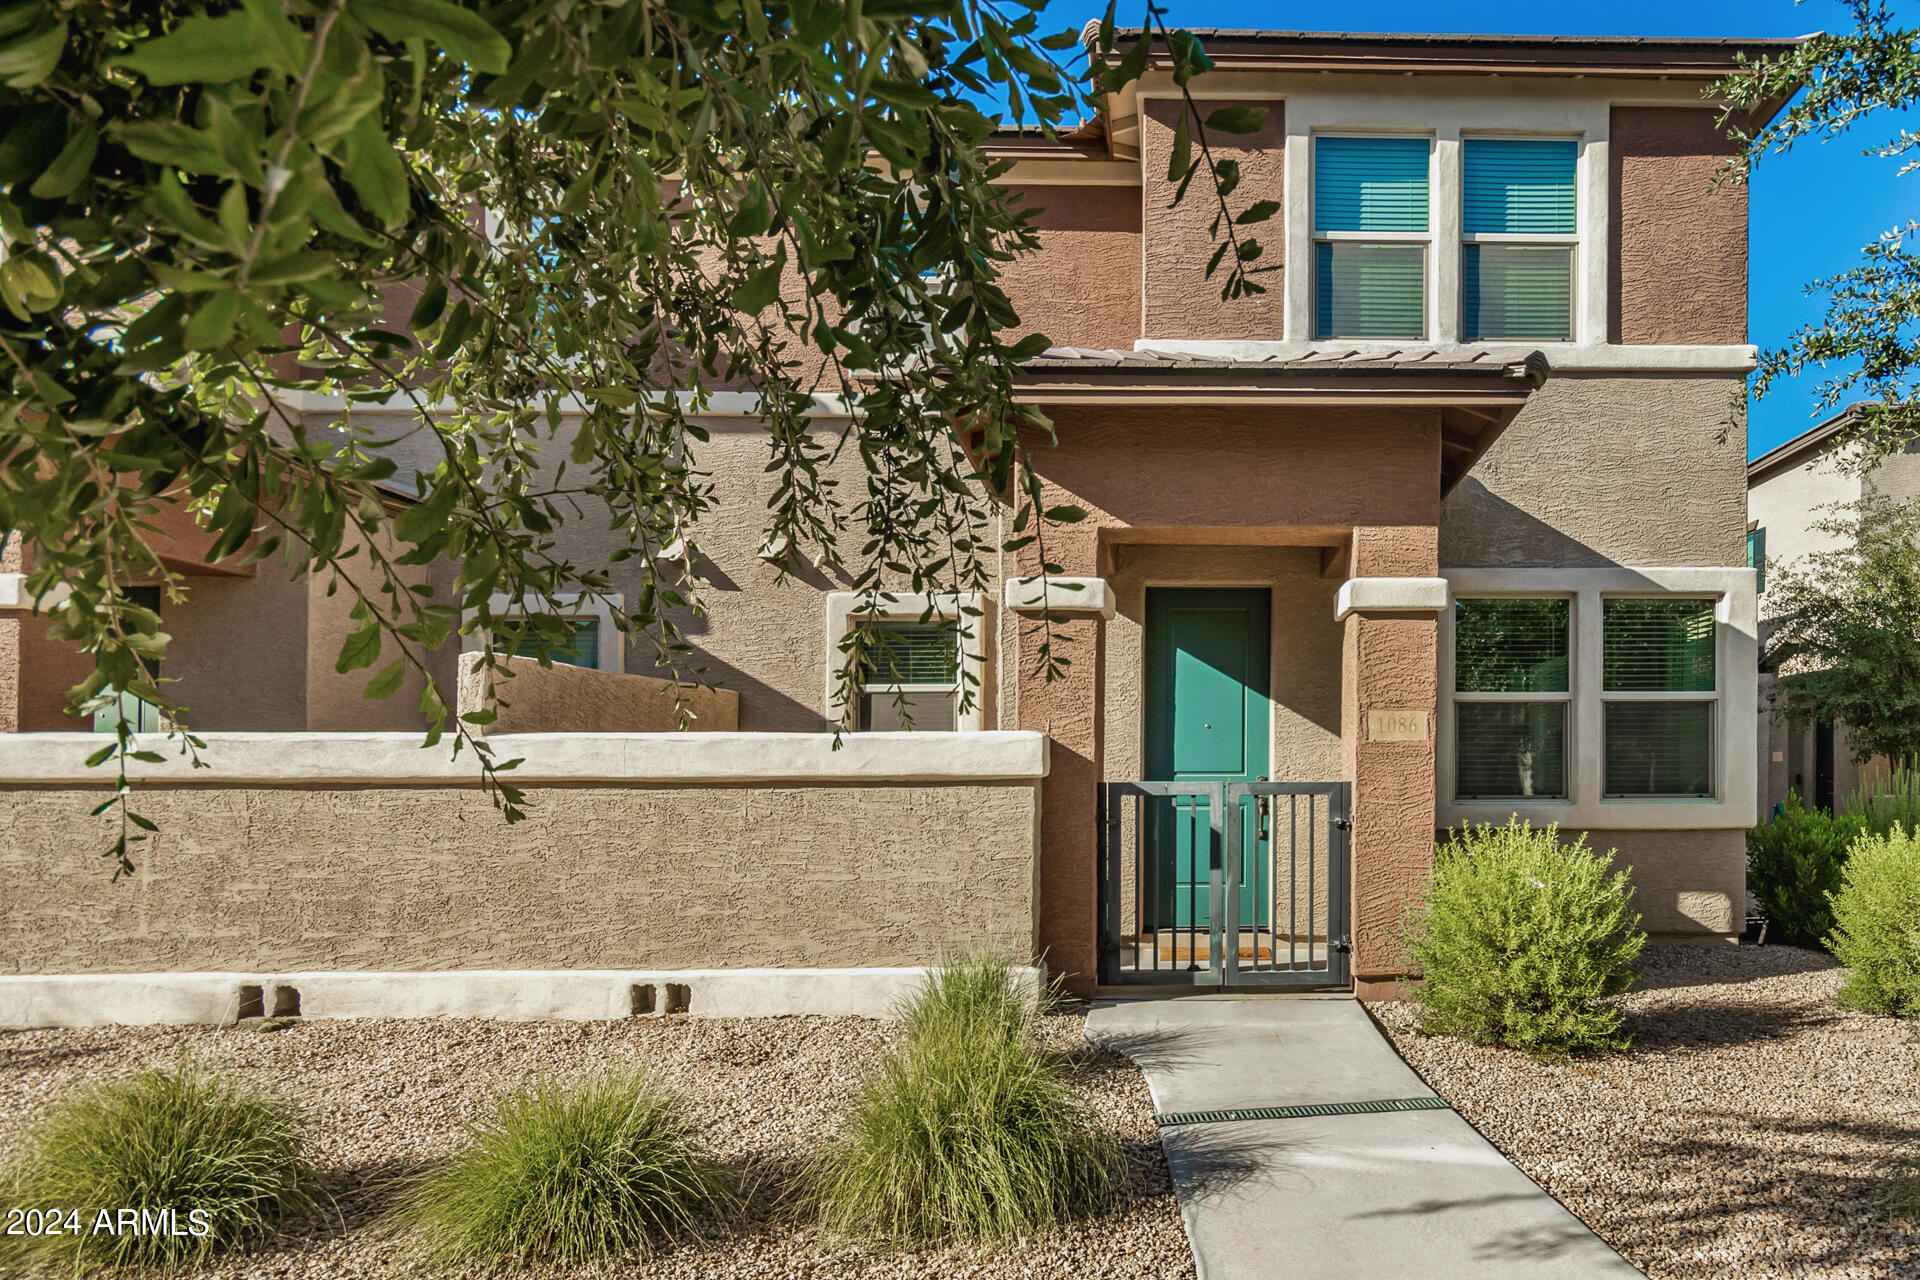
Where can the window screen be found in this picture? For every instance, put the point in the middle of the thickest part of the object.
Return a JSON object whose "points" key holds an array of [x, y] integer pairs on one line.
{"points": [[1363, 188], [910, 677], [1661, 646], [1508, 745], [1518, 220], [1659, 656]]}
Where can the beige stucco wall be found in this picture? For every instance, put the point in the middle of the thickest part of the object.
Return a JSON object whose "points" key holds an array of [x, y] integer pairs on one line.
{"points": [[1685, 883], [1608, 469], [433, 878], [568, 699]]}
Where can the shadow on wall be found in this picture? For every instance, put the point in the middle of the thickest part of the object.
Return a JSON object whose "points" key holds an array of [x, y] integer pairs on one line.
{"points": [[1480, 528]]}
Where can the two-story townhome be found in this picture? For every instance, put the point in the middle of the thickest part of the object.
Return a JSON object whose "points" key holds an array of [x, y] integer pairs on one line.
{"points": [[1447, 526], [1791, 490]]}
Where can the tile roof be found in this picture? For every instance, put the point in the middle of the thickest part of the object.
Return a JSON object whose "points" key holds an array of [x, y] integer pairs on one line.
{"points": [[1326, 360]]}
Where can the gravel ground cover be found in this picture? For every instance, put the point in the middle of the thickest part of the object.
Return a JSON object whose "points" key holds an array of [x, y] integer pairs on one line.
{"points": [[387, 1096], [1748, 1134]]}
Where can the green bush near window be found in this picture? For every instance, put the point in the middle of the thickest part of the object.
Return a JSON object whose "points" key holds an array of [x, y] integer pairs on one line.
{"points": [[1794, 867], [1886, 799], [1521, 939], [569, 1172], [1876, 924], [968, 1130], [218, 1154]]}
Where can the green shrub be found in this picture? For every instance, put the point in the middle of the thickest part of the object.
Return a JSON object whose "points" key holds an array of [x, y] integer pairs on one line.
{"points": [[226, 1159], [1521, 938], [1876, 924], [1884, 800], [1903, 1197], [969, 1129], [1794, 865], [569, 1172]]}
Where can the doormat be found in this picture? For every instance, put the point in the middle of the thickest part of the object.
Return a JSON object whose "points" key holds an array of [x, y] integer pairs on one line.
{"points": [[1299, 1113]]}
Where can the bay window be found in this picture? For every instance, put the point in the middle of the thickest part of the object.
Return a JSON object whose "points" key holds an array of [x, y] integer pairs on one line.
{"points": [[1370, 227]]}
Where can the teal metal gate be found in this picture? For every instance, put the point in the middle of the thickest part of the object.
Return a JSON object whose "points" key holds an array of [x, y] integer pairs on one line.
{"points": [[1273, 914]]}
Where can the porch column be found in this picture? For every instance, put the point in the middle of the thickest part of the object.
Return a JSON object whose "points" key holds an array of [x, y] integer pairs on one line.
{"points": [[1071, 710], [1389, 706]]}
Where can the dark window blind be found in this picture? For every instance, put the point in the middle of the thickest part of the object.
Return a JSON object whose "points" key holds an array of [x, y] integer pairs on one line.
{"points": [[1659, 646]]}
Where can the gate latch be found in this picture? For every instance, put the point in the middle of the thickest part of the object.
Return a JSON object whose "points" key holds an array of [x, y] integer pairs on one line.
{"points": [[1345, 945], [1343, 824]]}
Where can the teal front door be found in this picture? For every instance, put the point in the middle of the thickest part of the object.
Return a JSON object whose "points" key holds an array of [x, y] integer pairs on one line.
{"points": [[1208, 720]]}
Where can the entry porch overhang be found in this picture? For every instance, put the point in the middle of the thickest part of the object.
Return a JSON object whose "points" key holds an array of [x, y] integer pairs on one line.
{"points": [[1475, 394]]}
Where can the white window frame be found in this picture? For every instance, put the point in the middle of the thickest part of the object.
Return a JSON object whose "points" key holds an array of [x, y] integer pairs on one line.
{"points": [[1736, 701], [611, 651], [1451, 775], [1715, 744], [968, 611], [1576, 263], [1425, 239]]}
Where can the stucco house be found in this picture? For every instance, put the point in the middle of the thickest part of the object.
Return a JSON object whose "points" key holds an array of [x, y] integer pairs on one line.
{"points": [[1444, 528], [1790, 489]]}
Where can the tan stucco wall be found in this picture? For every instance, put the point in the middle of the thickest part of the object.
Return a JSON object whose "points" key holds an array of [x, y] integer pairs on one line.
{"points": [[1605, 469], [1304, 673], [1678, 265], [240, 654], [1685, 883], [1181, 302], [596, 877], [567, 699], [1082, 288]]}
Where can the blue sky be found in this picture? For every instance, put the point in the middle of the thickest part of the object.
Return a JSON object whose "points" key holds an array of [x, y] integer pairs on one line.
{"points": [[1811, 209]]}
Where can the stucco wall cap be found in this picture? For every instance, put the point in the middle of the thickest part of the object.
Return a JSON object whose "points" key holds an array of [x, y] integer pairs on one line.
{"points": [[14, 594], [1061, 595], [300, 759], [1390, 595]]}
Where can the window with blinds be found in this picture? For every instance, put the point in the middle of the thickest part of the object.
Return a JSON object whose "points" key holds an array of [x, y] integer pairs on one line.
{"points": [[1660, 692], [910, 676], [1519, 234], [1512, 694], [1757, 558], [582, 650], [1370, 226]]}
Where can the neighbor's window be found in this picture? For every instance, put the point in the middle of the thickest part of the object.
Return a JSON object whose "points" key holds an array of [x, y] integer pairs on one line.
{"points": [[1370, 237], [1511, 698], [141, 716], [582, 651], [1660, 692], [1757, 558], [910, 677], [1518, 237]]}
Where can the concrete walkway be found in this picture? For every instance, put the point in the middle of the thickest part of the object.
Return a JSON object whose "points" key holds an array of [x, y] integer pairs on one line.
{"points": [[1415, 1194]]}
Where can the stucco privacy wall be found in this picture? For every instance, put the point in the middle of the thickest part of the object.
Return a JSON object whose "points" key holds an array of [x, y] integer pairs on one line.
{"points": [[1685, 883], [857, 866], [1678, 264], [1600, 470]]}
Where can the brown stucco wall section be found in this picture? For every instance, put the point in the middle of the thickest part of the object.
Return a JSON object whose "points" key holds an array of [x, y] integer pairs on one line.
{"points": [[1082, 287], [432, 878], [1181, 302], [1678, 266], [1600, 469]]}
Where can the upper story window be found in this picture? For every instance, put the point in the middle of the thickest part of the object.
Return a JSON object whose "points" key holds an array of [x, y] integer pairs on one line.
{"points": [[1371, 236], [1519, 233], [1757, 557]]}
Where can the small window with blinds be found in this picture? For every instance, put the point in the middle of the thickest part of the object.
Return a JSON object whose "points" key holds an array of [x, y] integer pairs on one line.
{"points": [[1519, 237], [581, 650], [1660, 695], [1370, 227], [910, 677], [1512, 697]]}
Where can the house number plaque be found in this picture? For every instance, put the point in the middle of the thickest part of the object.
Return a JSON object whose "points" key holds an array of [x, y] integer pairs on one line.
{"points": [[1396, 724]]}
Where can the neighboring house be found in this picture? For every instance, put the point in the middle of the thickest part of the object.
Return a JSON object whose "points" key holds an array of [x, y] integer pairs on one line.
{"points": [[1446, 527], [1789, 490]]}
